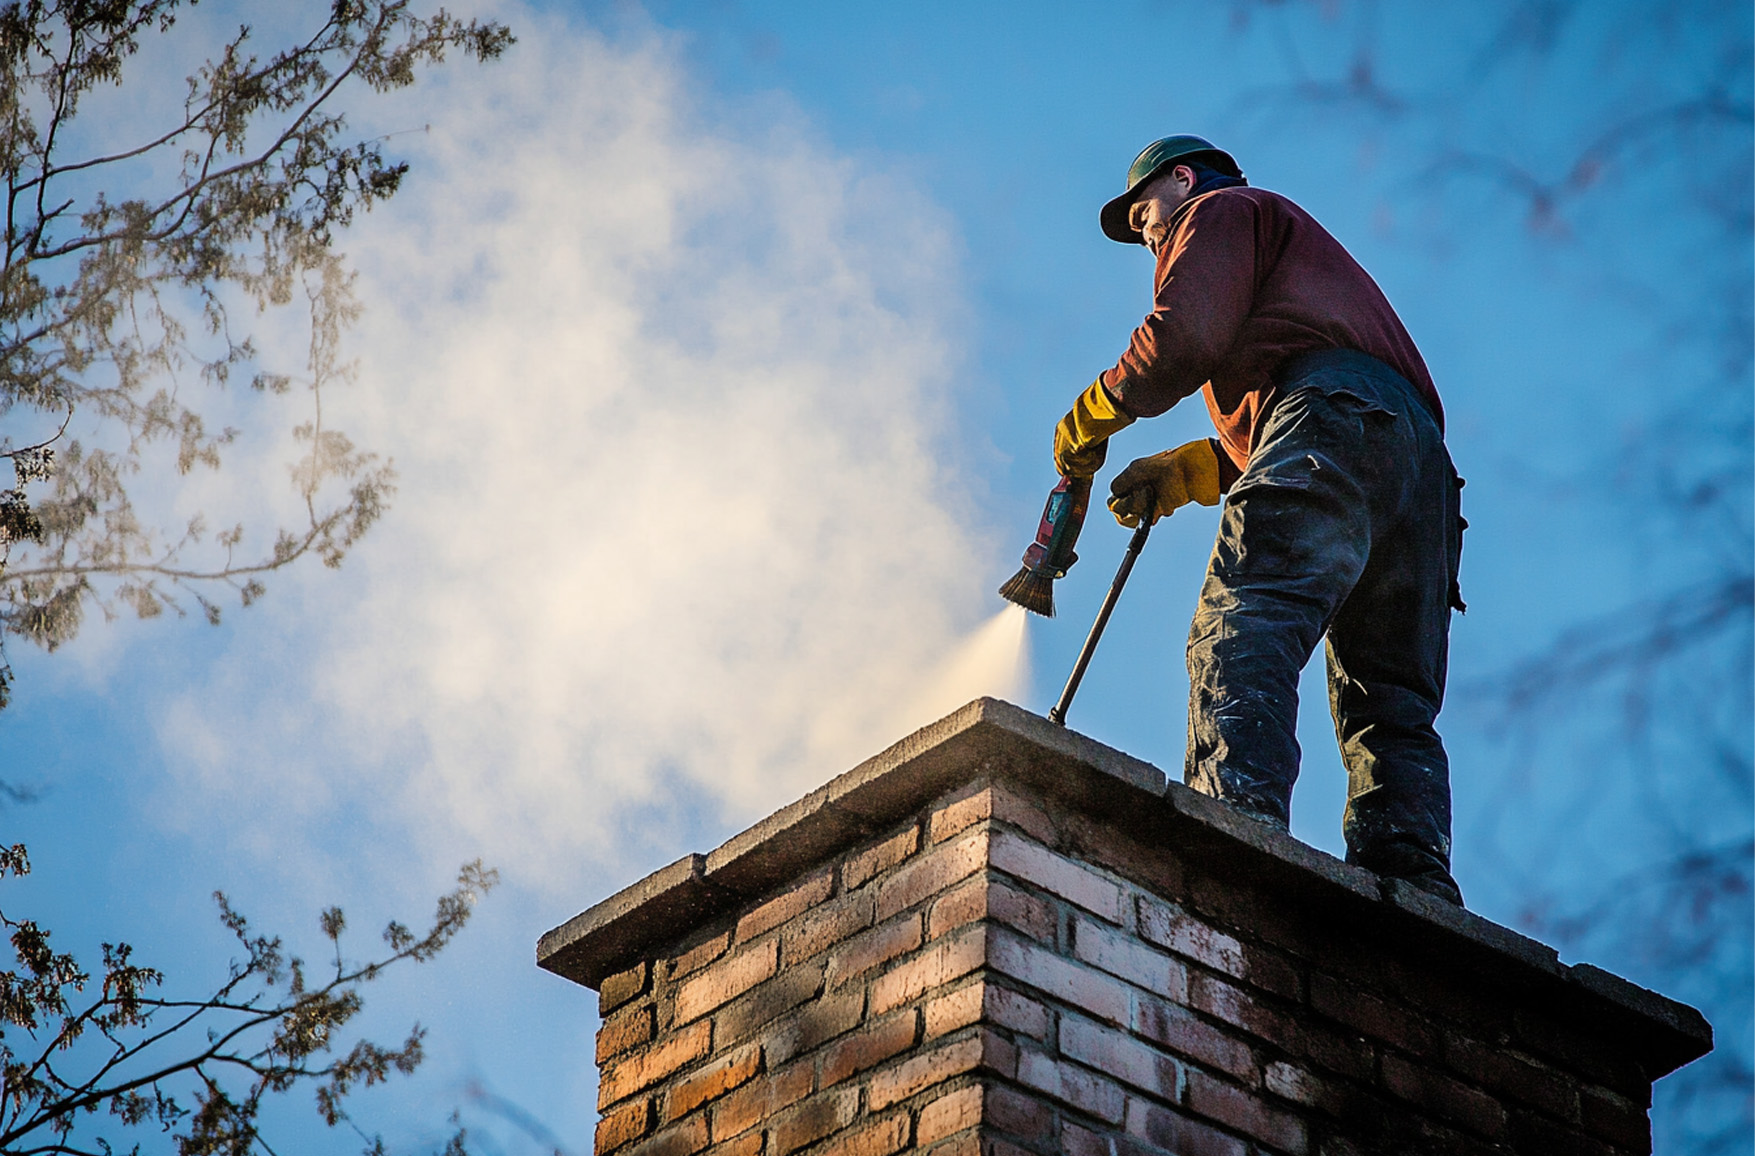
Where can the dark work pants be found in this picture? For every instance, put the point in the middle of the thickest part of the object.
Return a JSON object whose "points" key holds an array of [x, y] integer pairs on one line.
{"points": [[1345, 522]]}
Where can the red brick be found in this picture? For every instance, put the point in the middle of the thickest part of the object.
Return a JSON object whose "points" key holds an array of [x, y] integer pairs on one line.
{"points": [[1616, 1119], [1182, 1032], [1346, 1055], [869, 1047], [819, 1021], [873, 949], [992, 802], [1371, 1016], [623, 1125], [1246, 1112], [876, 860], [879, 1139], [931, 873], [1020, 1013], [1019, 1115], [948, 1114], [821, 929], [700, 955], [1443, 1096], [1119, 1055], [989, 898], [779, 909], [963, 1144], [1512, 1076], [1172, 928], [1084, 987], [1237, 1008], [922, 1071], [814, 1119], [993, 1146], [683, 1140], [749, 1144], [1071, 1084], [624, 1030], [940, 964], [759, 1008], [1124, 956], [726, 980], [1534, 1133], [712, 1082], [623, 986], [1290, 1082], [619, 1081], [1053, 872], [959, 1009], [1077, 1141], [1174, 1132], [759, 1101]]}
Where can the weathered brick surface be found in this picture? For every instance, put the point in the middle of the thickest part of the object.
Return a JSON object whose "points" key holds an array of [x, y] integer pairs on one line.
{"points": [[1121, 1056], [817, 931], [869, 1047], [1172, 1131], [700, 955], [939, 964], [985, 897], [684, 1139], [1247, 1112], [726, 980], [778, 910], [952, 1112], [623, 1125], [1180, 1031], [624, 1030], [814, 1119], [1069, 981], [995, 801], [1085, 1090], [934, 1065], [620, 1080], [1058, 874], [928, 874], [873, 949], [958, 1009], [1125, 956], [1443, 1096], [875, 860], [712, 1082], [623, 986], [760, 1101], [990, 976]]}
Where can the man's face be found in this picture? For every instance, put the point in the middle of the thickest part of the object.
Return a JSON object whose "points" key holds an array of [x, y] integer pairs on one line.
{"points": [[1161, 197]]}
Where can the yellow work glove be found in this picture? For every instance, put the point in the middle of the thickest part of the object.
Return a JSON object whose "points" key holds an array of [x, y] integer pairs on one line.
{"points": [[1164, 483], [1081, 439]]}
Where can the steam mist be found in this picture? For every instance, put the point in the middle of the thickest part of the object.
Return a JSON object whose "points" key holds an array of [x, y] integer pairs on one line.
{"points": [[679, 522]]}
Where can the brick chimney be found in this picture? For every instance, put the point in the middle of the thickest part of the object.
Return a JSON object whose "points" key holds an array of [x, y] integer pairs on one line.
{"points": [[1001, 937]]}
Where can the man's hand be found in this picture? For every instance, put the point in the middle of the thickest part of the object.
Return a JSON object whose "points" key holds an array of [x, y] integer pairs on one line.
{"points": [[1081, 440], [1163, 483]]}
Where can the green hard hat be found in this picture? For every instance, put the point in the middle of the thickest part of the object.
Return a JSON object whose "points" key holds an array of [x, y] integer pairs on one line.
{"points": [[1153, 159]]}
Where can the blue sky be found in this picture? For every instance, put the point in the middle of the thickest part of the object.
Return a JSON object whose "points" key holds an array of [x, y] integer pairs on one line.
{"points": [[719, 346]]}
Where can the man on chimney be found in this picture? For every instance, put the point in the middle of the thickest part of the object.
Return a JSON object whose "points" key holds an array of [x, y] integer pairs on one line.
{"points": [[1341, 512]]}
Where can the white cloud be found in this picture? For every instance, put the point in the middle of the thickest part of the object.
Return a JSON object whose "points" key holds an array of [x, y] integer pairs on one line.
{"points": [[679, 505]]}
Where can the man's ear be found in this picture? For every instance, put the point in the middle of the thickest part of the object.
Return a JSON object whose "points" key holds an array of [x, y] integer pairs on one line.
{"points": [[1185, 177]]}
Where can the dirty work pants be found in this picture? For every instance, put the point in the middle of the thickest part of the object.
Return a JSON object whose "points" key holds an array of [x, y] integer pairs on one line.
{"points": [[1345, 522]]}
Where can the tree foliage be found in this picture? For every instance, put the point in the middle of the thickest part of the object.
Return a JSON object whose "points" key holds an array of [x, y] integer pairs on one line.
{"points": [[127, 264], [90, 1062]]}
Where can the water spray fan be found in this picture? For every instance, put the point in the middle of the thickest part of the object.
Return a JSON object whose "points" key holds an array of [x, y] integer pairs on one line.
{"points": [[1051, 555]]}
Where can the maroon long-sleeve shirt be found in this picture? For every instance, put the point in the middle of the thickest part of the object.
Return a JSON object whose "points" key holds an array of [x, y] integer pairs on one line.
{"points": [[1247, 280]]}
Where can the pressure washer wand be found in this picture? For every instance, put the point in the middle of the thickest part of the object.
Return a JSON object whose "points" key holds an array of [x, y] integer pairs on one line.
{"points": [[1134, 546]]}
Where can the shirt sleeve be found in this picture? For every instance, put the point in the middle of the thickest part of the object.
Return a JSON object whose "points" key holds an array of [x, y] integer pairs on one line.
{"points": [[1206, 285]]}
